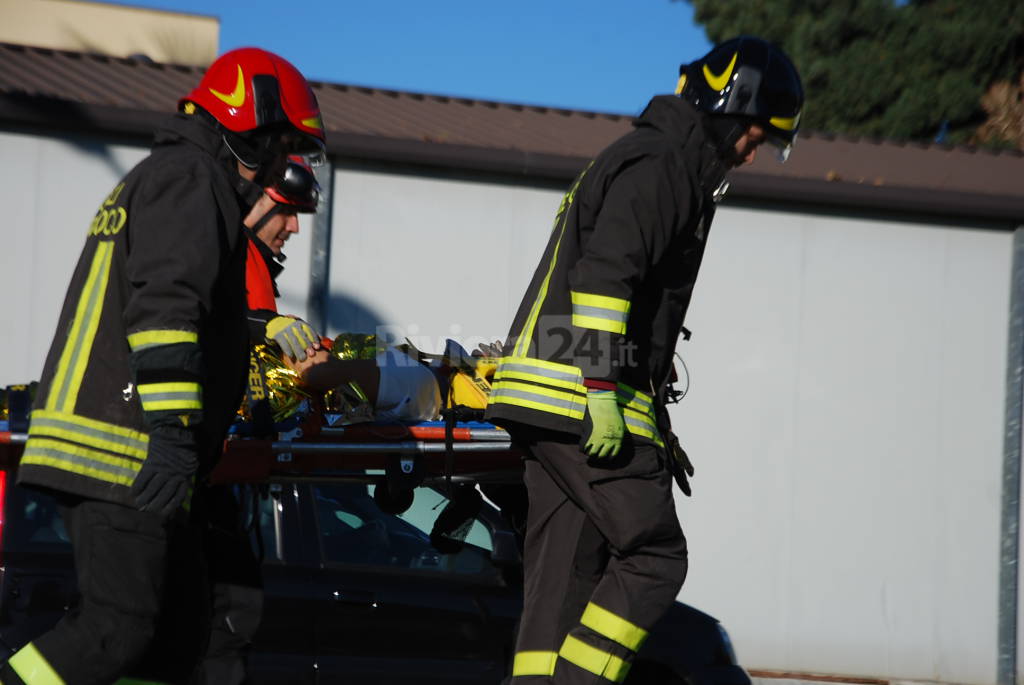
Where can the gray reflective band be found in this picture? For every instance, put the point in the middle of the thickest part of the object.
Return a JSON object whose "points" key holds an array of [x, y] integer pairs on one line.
{"points": [[638, 425], [630, 395], [180, 396], [540, 371], [535, 397], [80, 461], [39, 423], [599, 313]]}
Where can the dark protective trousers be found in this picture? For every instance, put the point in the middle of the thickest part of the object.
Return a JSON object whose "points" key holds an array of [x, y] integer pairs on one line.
{"points": [[604, 558], [144, 607], [237, 583]]}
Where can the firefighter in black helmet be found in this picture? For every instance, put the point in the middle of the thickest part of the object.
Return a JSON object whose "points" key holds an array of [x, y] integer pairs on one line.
{"points": [[581, 384], [146, 371]]}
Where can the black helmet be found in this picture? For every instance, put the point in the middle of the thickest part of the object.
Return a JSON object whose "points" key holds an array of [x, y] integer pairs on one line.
{"points": [[747, 78], [297, 187]]}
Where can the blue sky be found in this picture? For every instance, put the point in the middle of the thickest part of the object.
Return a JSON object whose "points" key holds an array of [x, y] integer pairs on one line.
{"points": [[602, 55]]}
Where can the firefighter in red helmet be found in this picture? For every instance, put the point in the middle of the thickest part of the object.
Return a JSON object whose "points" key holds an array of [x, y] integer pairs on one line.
{"points": [[146, 370]]}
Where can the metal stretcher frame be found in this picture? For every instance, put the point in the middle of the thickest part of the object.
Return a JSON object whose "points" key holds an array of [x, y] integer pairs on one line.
{"points": [[411, 455]]}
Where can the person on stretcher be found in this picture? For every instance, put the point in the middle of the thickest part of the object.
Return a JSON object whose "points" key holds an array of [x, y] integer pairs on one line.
{"points": [[398, 387]]}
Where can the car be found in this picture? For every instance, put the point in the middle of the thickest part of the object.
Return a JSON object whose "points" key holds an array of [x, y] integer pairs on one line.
{"points": [[357, 588]]}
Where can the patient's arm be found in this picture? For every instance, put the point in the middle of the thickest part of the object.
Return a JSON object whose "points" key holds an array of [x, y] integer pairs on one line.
{"points": [[325, 372]]}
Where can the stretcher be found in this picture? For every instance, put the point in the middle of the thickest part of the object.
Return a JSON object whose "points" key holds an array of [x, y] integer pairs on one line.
{"points": [[404, 455], [310, 448]]}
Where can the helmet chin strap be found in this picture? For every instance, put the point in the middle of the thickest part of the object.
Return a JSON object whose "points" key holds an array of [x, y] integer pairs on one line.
{"points": [[725, 130]]}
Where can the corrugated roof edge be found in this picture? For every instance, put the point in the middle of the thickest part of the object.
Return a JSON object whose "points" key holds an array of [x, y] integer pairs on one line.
{"points": [[52, 113]]}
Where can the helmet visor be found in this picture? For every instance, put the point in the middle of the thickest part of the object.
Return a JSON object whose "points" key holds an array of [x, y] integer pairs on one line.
{"points": [[783, 146], [310, 148]]}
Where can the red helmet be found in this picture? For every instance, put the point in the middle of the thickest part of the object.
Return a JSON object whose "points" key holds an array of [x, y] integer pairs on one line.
{"points": [[249, 89], [297, 187]]}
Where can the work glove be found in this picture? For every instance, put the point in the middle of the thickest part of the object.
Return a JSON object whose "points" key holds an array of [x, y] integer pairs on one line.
{"points": [[603, 426], [679, 463], [165, 476], [293, 336]]}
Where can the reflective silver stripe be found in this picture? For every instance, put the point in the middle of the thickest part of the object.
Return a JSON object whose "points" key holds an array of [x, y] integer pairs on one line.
{"points": [[600, 313], [47, 425], [627, 395], [181, 396], [499, 392], [637, 426], [539, 371], [75, 463]]}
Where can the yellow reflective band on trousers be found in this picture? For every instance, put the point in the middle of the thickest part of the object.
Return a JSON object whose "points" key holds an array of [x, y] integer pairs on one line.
{"points": [[88, 432], [31, 667], [534, 663], [599, 312], [523, 344], [151, 338], [613, 627], [170, 396], [597, 661], [75, 357]]}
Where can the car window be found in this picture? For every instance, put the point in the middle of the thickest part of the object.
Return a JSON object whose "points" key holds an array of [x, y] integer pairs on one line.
{"points": [[33, 523], [265, 536], [353, 530]]}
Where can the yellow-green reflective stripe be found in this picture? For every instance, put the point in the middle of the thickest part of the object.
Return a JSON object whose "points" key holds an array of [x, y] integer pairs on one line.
{"points": [[601, 302], [534, 663], [64, 429], [592, 659], [130, 436], [595, 323], [563, 377], [640, 417], [613, 627], [151, 338], [31, 667], [80, 460], [633, 397], [159, 396], [553, 369], [75, 356], [533, 397], [526, 376], [531, 322], [600, 312]]}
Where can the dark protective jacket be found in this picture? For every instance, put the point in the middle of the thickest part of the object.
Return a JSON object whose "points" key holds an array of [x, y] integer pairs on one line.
{"points": [[153, 326], [607, 301]]}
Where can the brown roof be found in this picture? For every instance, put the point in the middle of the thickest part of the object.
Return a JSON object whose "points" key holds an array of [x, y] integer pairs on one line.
{"points": [[70, 90]]}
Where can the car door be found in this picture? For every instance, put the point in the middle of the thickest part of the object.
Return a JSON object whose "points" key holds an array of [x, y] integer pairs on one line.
{"points": [[396, 610], [283, 649]]}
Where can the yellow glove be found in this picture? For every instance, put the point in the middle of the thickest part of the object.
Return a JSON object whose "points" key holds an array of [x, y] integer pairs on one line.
{"points": [[293, 336]]}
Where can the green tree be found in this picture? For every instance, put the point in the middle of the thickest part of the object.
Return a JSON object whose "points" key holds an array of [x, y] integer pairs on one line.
{"points": [[899, 70]]}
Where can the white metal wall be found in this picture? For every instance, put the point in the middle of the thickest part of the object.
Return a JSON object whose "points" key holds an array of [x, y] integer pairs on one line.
{"points": [[845, 415], [846, 421], [433, 257], [49, 189]]}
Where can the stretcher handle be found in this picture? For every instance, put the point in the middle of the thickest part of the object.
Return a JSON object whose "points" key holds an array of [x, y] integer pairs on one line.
{"points": [[404, 447]]}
